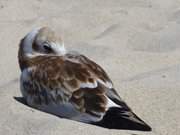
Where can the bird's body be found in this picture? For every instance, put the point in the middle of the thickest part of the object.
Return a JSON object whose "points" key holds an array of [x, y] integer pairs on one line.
{"points": [[69, 84], [55, 81]]}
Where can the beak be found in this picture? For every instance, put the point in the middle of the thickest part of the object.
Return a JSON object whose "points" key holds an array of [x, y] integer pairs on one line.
{"points": [[59, 49]]}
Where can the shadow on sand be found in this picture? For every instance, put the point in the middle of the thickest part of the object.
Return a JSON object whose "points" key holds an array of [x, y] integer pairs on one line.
{"points": [[123, 124]]}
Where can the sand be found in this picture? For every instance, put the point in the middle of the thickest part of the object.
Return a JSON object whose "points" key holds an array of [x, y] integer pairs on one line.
{"points": [[136, 41]]}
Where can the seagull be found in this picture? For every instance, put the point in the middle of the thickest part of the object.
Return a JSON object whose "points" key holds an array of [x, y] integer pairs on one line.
{"points": [[70, 85]]}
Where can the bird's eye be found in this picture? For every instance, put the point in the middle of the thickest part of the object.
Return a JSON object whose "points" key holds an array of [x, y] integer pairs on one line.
{"points": [[47, 47]]}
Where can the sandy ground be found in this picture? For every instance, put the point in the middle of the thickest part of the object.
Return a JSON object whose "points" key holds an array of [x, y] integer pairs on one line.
{"points": [[136, 41]]}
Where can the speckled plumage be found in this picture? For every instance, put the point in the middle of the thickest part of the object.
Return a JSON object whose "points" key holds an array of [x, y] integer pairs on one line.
{"points": [[64, 83]]}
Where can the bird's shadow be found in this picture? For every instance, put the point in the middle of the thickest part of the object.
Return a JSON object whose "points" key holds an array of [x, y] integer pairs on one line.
{"points": [[99, 124], [21, 100]]}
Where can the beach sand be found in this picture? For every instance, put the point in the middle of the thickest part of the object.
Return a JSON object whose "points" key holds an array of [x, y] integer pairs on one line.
{"points": [[136, 41]]}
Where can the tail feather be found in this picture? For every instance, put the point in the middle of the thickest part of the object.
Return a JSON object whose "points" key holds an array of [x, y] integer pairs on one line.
{"points": [[116, 118]]}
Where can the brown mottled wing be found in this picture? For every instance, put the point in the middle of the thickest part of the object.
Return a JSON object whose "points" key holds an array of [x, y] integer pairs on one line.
{"points": [[93, 99], [72, 78]]}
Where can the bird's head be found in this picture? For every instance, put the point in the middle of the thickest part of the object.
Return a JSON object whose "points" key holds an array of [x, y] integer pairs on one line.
{"points": [[42, 41]]}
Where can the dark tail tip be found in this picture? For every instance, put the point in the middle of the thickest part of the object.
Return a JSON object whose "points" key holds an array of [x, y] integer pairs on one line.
{"points": [[116, 119]]}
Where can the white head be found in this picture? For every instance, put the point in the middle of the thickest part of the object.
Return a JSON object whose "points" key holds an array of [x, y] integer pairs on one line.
{"points": [[42, 41]]}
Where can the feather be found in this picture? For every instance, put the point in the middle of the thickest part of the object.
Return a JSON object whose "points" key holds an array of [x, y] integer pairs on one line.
{"points": [[70, 85]]}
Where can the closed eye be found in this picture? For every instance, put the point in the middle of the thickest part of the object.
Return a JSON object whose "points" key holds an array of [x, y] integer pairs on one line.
{"points": [[47, 47]]}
